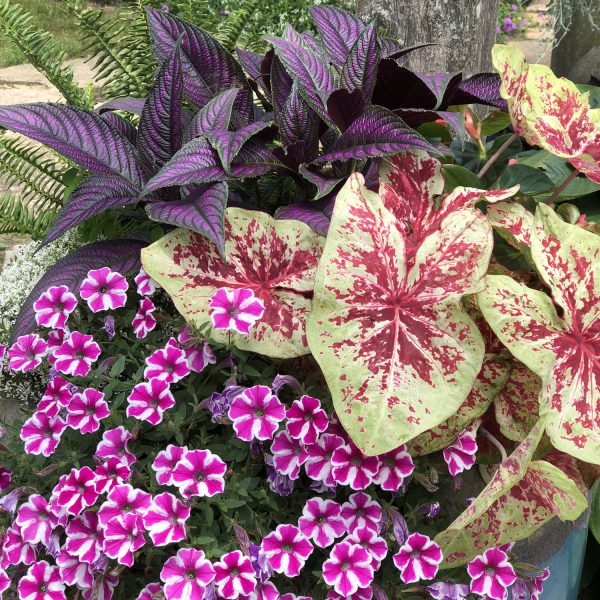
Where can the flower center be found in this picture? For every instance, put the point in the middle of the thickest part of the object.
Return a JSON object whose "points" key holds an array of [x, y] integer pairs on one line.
{"points": [[235, 572], [91, 411], [44, 515], [200, 476], [355, 460], [79, 355], [42, 588], [360, 512], [232, 312], [103, 289], [308, 417], [259, 412], [415, 554], [128, 508], [169, 368], [490, 571], [389, 462], [321, 519], [287, 547], [345, 565], [191, 575]]}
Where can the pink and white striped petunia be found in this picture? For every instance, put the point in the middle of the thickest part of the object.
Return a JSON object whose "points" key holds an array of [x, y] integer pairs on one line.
{"points": [[351, 467], [186, 575], [35, 520], [234, 575], [104, 584], [461, 454], [84, 538], [361, 511], [54, 340], [360, 594], [76, 491], [4, 582], [165, 462], [122, 500], [114, 445], [393, 468], [198, 352], [165, 519], [287, 549], [86, 410], [149, 400], [288, 454], [168, 364], [348, 568], [321, 521], [256, 413], [41, 582], [76, 354], [27, 353], [418, 558], [110, 473], [318, 464], [15, 550], [146, 286], [263, 591], [235, 310], [152, 591], [73, 571], [58, 394], [42, 433], [199, 473], [144, 321], [123, 536], [306, 420], [104, 289], [375, 545], [491, 574], [53, 307]]}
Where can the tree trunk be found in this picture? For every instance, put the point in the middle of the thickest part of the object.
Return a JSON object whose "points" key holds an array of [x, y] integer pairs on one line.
{"points": [[463, 31]]}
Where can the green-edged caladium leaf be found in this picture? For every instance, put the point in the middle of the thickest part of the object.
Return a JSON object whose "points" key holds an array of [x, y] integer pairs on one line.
{"points": [[276, 259], [562, 351], [513, 222]]}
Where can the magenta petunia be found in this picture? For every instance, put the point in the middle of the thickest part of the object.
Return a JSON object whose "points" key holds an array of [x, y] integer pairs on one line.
{"points": [[76, 491], [235, 310], [110, 473], [104, 584], [351, 467], [104, 289], [42, 433], [153, 591], [198, 352], [122, 500], [73, 571], [418, 558], [168, 364], [58, 394], [321, 521], [306, 420], [76, 354], [186, 575], [53, 307], [360, 594], [491, 574], [4, 582], [123, 536], [461, 454], [375, 545], [348, 568], [199, 473], [84, 538], [256, 413], [146, 286], [361, 511], [165, 462], [35, 520], [318, 464], [15, 550], [5, 478], [54, 340], [165, 519], [393, 468], [114, 444], [149, 400], [288, 454], [144, 321], [86, 410], [27, 353], [234, 575], [287, 549], [42, 582], [263, 591]]}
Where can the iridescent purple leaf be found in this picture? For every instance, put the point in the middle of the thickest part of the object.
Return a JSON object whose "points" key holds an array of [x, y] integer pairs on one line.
{"points": [[483, 88], [344, 107], [443, 85], [316, 215], [214, 116], [310, 41], [297, 121], [400, 54], [281, 85], [252, 64], [254, 159], [324, 184], [126, 128], [360, 69], [126, 104]]}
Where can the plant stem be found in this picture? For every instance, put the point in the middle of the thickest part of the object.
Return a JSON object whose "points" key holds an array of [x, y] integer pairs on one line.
{"points": [[558, 191], [497, 155], [494, 442]]}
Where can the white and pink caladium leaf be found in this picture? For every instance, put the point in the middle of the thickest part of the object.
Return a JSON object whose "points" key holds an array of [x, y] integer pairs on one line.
{"points": [[513, 222], [275, 259], [563, 350]]}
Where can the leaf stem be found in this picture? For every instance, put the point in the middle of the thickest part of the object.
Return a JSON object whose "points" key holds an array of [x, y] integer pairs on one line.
{"points": [[558, 190], [497, 155], [494, 442]]}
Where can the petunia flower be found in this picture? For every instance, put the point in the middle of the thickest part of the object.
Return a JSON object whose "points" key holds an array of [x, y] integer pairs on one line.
{"points": [[15, 550], [165, 462], [27, 353], [234, 575], [42, 433], [348, 568], [41, 582], [114, 444], [73, 571], [186, 575], [10, 500], [165, 519], [123, 536], [110, 473], [288, 454], [280, 484], [375, 545], [287, 549], [351, 467], [76, 491], [86, 410], [318, 464], [104, 584], [58, 394], [448, 591], [152, 591], [256, 413], [218, 403], [361, 511], [35, 520], [460, 455], [146, 286], [418, 558], [53, 307], [5, 478], [198, 353], [122, 500], [168, 363], [84, 538], [144, 321], [394, 467], [306, 420], [104, 289], [199, 473], [491, 574], [149, 399], [321, 521], [76, 354], [4, 582], [235, 310], [360, 594]]}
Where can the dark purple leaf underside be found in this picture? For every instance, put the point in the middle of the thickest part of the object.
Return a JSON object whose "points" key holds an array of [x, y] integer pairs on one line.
{"points": [[345, 107], [317, 215], [398, 87], [441, 84], [297, 121], [126, 128], [81, 136], [254, 159], [325, 185], [120, 255], [127, 104], [214, 116], [483, 88], [360, 69]]}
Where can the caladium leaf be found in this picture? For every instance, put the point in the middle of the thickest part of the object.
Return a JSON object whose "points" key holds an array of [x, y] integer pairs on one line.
{"points": [[316, 215], [126, 128], [359, 71], [203, 211], [276, 259], [126, 104], [214, 116], [483, 88], [71, 270], [254, 159], [513, 222], [81, 136], [325, 185]]}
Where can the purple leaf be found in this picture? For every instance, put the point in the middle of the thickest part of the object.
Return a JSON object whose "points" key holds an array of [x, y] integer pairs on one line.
{"points": [[441, 84], [360, 69], [281, 86], [338, 30], [345, 107], [371, 174], [483, 88], [126, 128], [252, 64], [316, 215], [214, 116], [294, 155], [254, 159], [120, 255], [325, 185], [203, 210], [402, 53], [81, 136], [378, 132], [398, 87], [297, 121], [310, 41], [127, 104], [91, 197]]}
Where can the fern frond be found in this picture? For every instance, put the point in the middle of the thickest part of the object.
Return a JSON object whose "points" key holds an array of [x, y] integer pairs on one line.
{"points": [[231, 32], [18, 217], [42, 52]]}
